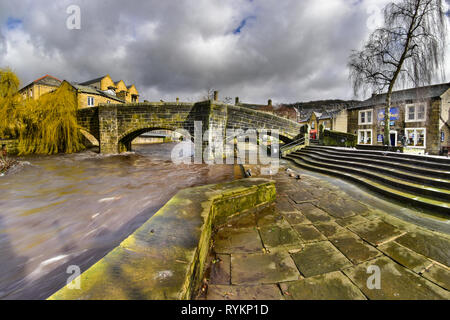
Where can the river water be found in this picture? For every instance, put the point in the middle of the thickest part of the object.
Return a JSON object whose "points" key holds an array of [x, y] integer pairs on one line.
{"points": [[64, 210]]}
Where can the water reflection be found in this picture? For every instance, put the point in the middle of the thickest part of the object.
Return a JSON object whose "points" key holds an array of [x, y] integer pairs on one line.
{"points": [[72, 209]]}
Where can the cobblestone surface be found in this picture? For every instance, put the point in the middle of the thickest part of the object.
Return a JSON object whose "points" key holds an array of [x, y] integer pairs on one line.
{"points": [[317, 242]]}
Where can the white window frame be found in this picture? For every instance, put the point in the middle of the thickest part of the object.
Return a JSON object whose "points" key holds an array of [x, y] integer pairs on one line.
{"points": [[365, 123], [415, 137], [416, 105], [396, 136], [89, 100], [365, 137]]}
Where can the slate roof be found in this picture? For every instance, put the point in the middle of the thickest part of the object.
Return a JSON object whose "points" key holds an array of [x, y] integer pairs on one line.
{"points": [[427, 92], [92, 81], [92, 90], [47, 80]]}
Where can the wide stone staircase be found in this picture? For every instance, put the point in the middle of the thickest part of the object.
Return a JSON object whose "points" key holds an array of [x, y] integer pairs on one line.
{"points": [[420, 181]]}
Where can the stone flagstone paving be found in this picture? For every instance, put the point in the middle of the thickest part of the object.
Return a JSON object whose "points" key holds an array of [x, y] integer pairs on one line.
{"points": [[316, 242]]}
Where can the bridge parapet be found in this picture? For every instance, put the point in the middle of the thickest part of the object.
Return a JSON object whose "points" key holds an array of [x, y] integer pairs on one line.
{"points": [[116, 125]]}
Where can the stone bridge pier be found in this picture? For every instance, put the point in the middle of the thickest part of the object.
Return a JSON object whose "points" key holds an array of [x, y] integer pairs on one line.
{"points": [[116, 126]]}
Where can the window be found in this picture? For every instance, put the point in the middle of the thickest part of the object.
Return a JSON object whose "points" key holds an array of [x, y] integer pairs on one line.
{"points": [[416, 137], [415, 112], [365, 117], [313, 125], [90, 101], [31, 92], [365, 137]]}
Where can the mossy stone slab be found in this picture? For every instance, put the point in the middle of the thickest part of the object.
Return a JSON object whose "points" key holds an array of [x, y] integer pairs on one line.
{"points": [[268, 216], [313, 214], [296, 218], [330, 286], [349, 221], [354, 248], [397, 282], [430, 245], [279, 235], [301, 196], [308, 233], [221, 270], [253, 292], [405, 257], [438, 275], [319, 258], [375, 232], [261, 268], [243, 240], [330, 229]]}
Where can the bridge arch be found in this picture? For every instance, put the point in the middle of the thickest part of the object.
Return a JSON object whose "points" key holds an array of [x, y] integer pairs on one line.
{"points": [[116, 126], [89, 140], [126, 139]]}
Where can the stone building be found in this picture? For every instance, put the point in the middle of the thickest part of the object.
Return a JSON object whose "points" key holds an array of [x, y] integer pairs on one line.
{"points": [[89, 94], [419, 119], [40, 86], [335, 120], [119, 89]]}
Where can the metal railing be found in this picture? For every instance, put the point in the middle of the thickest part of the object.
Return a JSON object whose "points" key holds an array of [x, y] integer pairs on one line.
{"points": [[298, 142]]}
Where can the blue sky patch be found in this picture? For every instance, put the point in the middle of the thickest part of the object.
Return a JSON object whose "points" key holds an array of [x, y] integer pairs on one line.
{"points": [[242, 24], [13, 23]]}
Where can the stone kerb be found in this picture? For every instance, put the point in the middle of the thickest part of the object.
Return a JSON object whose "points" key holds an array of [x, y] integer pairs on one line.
{"points": [[165, 258]]}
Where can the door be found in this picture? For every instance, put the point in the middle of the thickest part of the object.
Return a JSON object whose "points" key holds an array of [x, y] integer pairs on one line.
{"points": [[393, 136]]}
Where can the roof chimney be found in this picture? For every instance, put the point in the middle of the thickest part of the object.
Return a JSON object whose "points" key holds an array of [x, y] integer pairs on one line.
{"points": [[236, 102], [216, 95]]}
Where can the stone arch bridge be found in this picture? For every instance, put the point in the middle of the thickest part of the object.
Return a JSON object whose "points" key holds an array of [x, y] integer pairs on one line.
{"points": [[116, 126]]}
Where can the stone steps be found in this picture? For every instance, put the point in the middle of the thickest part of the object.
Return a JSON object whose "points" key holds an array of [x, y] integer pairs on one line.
{"points": [[420, 190], [438, 163], [381, 167]]}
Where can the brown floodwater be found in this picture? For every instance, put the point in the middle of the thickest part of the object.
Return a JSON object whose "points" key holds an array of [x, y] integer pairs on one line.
{"points": [[64, 210]]}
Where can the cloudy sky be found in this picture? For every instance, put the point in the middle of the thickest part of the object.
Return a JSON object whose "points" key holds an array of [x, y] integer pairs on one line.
{"points": [[289, 50]]}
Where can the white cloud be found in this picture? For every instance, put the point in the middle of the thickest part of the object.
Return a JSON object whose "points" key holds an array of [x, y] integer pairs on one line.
{"points": [[286, 50]]}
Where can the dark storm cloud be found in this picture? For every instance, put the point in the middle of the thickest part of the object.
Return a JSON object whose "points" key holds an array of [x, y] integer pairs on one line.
{"points": [[287, 50]]}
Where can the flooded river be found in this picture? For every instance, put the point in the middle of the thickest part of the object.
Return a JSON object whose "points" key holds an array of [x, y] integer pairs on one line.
{"points": [[67, 210]]}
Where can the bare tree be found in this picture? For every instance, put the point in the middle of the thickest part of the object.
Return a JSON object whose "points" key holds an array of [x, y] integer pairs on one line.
{"points": [[227, 100], [209, 94], [407, 50]]}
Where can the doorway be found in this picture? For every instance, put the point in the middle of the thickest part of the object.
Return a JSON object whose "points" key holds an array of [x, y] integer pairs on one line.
{"points": [[393, 138]]}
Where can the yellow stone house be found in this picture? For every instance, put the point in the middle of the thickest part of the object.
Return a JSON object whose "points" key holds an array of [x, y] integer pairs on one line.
{"points": [[89, 94]]}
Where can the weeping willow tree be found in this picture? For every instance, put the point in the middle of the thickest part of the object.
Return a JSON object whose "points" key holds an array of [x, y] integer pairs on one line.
{"points": [[407, 50], [44, 126], [9, 103], [49, 125]]}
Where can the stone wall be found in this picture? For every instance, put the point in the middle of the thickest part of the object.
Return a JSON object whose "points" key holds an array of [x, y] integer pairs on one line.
{"points": [[11, 145], [245, 118], [116, 125], [165, 258]]}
